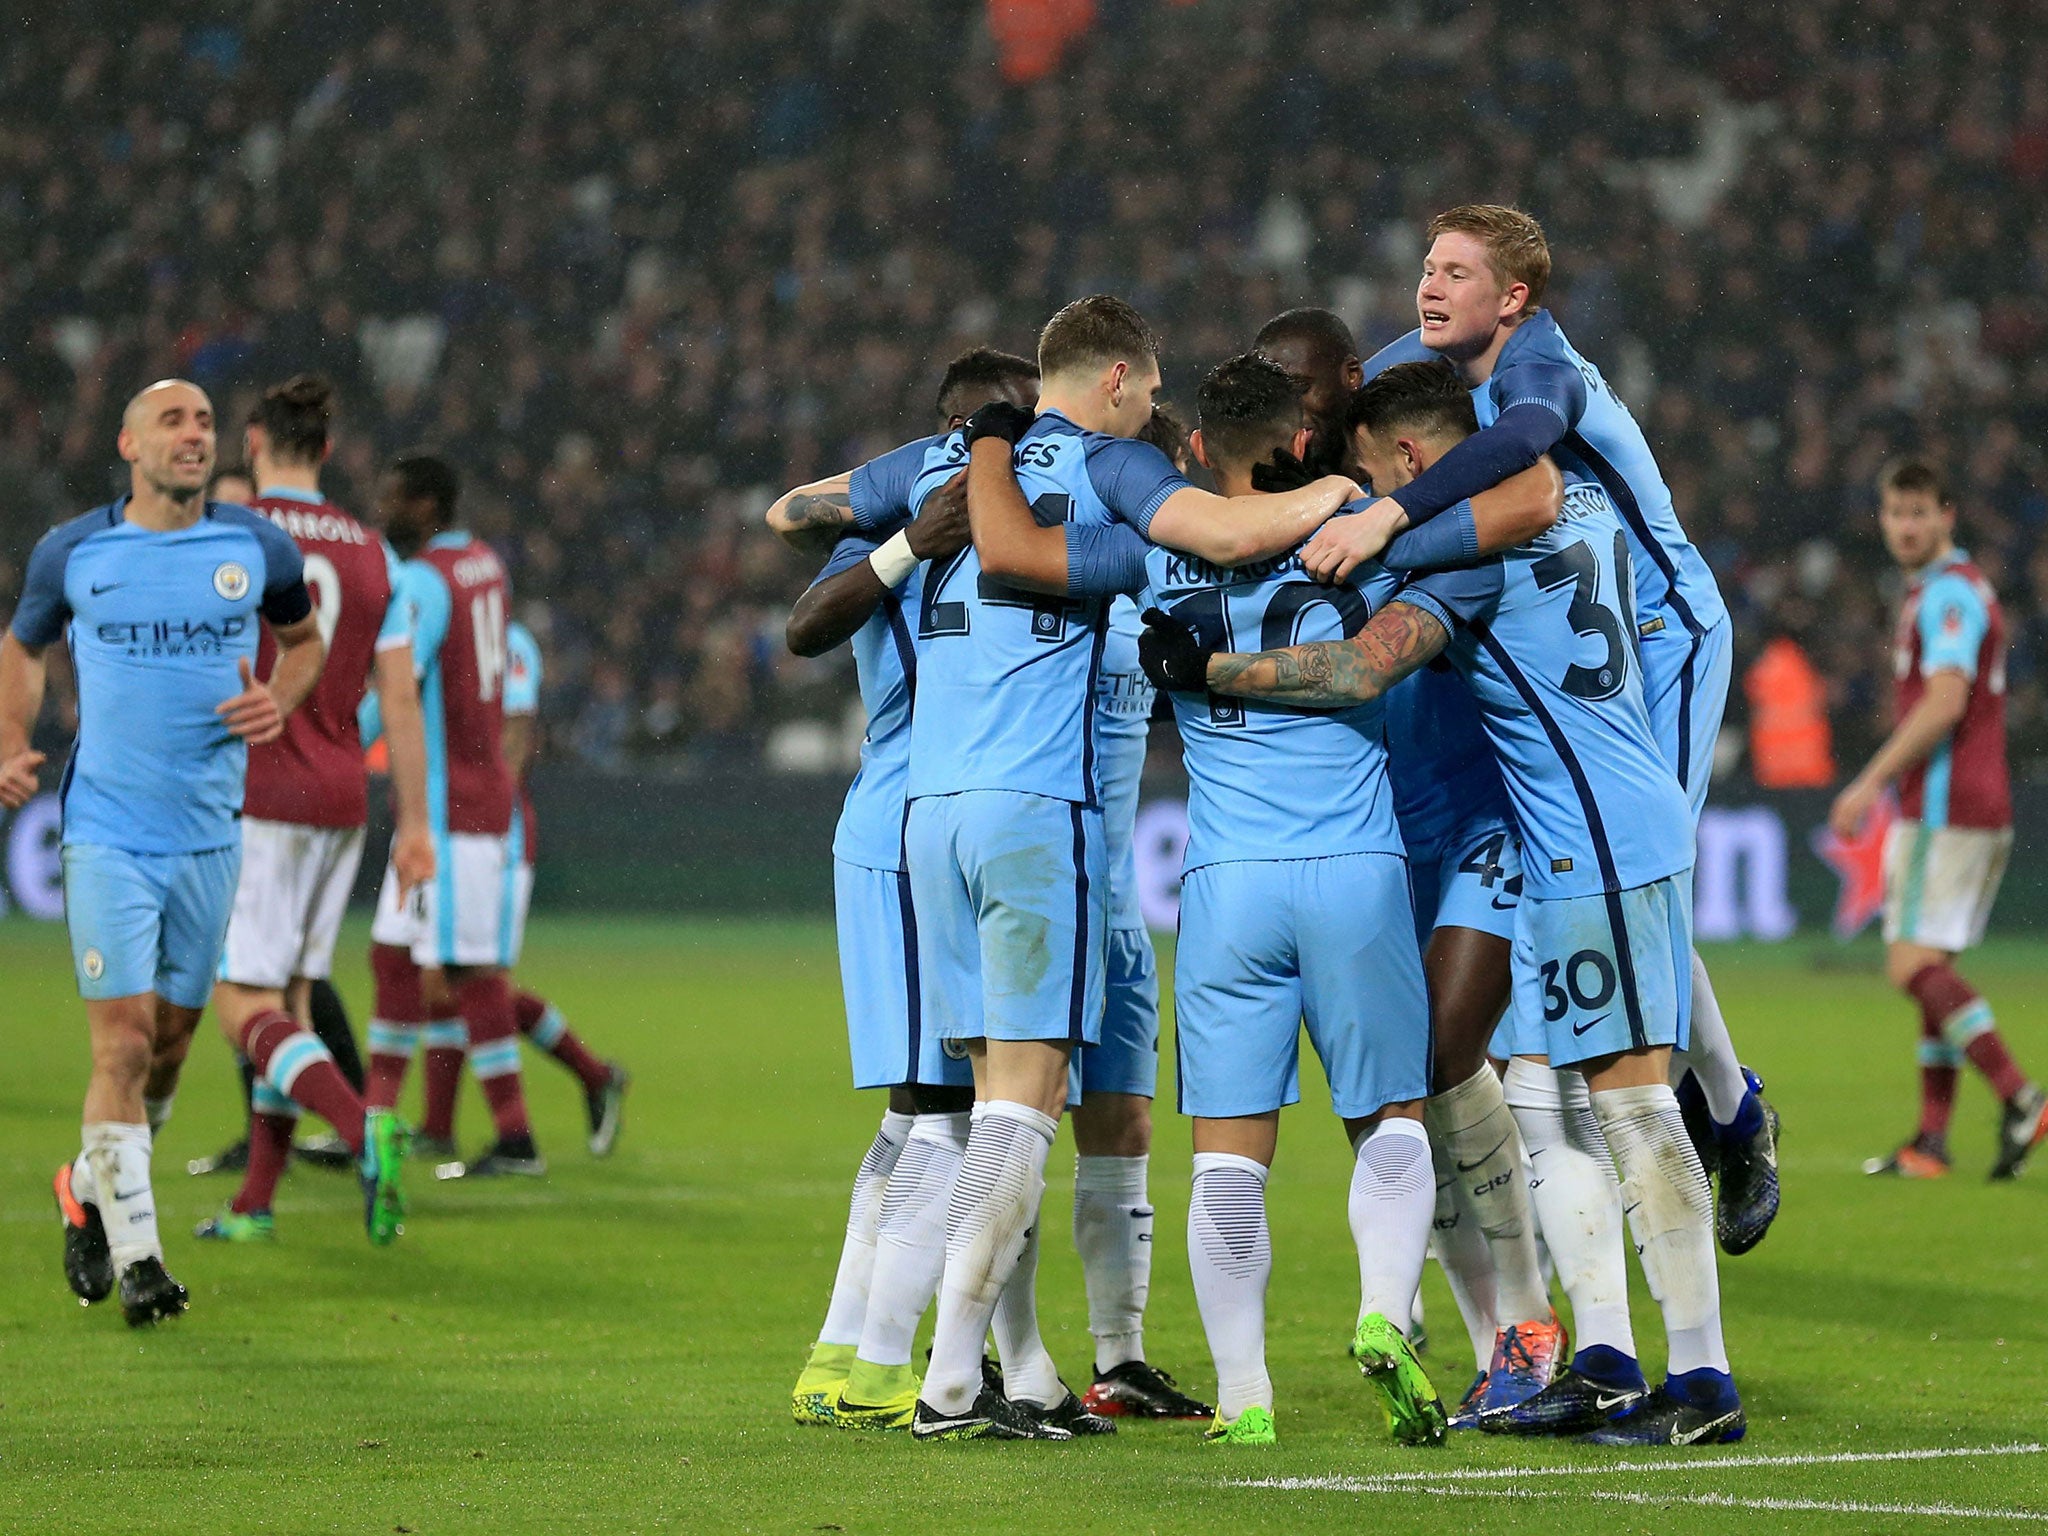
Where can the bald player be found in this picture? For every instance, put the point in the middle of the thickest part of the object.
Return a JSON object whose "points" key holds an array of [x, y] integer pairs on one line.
{"points": [[161, 591]]}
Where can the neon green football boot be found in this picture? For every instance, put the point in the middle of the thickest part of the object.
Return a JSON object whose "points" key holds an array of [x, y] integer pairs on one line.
{"points": [[1252, 1427], [876, 1397], [232, 1226], [1414, 1412], [816, 1389], [386, 1140]]}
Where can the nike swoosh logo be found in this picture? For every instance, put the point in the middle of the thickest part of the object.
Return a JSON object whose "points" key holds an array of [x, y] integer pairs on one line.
{"points": [[1603, 1402], [1505, 906], [1468, 1167], [1711, 1427], [1580, 1029], [130, 1194], [97, 589]]}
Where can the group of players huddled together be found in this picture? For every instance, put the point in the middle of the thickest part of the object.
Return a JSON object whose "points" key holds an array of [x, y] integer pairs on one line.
{"points": [[236, 644], [1448, 677]]}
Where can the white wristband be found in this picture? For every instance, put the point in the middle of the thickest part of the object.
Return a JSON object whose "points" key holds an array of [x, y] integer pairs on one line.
{"points": [[894, 562]]}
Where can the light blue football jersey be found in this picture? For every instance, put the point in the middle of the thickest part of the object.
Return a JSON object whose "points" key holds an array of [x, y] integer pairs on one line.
{"points": [[157, 622], [1542, 636], [1123, 719], [870, 831], [1007, 678], [1676, 596], [1268, 781], [1439, 761]]}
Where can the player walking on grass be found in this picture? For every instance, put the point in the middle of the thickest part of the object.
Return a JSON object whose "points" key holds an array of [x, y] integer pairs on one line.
{"points": [[1004, 837], [1478, 302], [604, 1083], [1945, 856], [302, 826], [454, 593], [1290, 824], [1465, 877], [1603, 931], [158, 596]]}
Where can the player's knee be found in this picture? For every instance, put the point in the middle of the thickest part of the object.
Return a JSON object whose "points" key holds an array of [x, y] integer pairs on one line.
{"points": [[931, 1099], [1902, 962], [1113, 1125], [124, 1046]]}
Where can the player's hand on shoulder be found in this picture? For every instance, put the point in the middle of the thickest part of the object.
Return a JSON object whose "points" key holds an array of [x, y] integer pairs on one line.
{"points": [[940, 527], [1172, 654], [252, 714], [1346, 542], [18, 782], [999, 418]]}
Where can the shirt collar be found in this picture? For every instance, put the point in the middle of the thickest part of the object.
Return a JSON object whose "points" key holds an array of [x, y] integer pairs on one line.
{"points": [[290, 493]]}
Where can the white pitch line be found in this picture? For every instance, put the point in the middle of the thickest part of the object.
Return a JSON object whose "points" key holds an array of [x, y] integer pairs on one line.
{"points": [[1384, 1481], [1727, 1501]]}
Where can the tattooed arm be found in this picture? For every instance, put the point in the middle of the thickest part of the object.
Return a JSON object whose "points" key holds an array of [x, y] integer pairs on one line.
{"points": [[1397, 640], [812, 517]]}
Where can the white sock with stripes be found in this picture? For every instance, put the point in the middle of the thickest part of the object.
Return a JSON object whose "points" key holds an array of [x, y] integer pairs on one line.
{"points": [[910, 1241], [1230, 1252], [848, 1308], [1393, 1196]]}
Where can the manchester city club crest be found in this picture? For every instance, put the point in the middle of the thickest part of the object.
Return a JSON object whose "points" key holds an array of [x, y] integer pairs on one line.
{"points": [[231, 580], [94, 965]]}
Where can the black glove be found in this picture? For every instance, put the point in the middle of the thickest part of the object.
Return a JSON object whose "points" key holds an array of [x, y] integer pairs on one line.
{"points": [[1001, 419], [1173, 655], [1284, 472]]}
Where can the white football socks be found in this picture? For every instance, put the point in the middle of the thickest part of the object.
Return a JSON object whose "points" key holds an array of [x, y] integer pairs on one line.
{"points": [[1113, 1235], [118, 1154], [1577, 1199], [1671, 1212], [1393, 1196], [849, 1305], [1230, 1252], [1471, 1120], [910, 1242], [1029, 1375], [1711, 1053], [989, 1218], [1460, 1247]]}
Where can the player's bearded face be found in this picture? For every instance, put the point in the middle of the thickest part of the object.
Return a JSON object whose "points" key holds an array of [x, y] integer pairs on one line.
{"points": [[1915, 526], [1458, 301]]}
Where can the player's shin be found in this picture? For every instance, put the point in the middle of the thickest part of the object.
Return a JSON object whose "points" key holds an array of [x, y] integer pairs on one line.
{"points": [[484, 999], [1460, 1247], [910, 1255], [1113, 1221], [118, 1154], [300, 1068], [1230, 1254], [1710, 1055], [1393, 1196], [446, 1040], [992, 1209], [542, 1023], [1472, 1121], [1671, 1213], [849, 1304], [395, 1023], [271, 1124], [1577, 1200], [1029, 1375]]}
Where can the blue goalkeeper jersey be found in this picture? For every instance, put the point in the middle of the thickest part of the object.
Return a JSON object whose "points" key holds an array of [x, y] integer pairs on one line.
{"points": [[157, 622], [1007, 678], [1542, 635], [1676, 596]]}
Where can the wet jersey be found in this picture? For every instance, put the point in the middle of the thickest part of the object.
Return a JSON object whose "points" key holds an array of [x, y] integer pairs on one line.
{"points": [[455, 595], [1442, 768]]}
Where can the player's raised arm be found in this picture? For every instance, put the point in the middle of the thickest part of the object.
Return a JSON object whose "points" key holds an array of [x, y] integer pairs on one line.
{"points": [[812, 517], [862, 571], [1058, 558]]}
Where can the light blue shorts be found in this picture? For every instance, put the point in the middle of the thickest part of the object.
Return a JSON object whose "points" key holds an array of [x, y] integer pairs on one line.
{"points": [[1266, 945], [1476, 884], [148, 922], [1011, 901], [878, 972], [1596, 975], [1126, 1058], [1686, 687]]}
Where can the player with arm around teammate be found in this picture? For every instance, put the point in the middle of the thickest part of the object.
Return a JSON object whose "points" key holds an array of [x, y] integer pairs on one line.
{"points": [[1479, 304], [159, 594], [1603, 932], [1945, 856], [302, 827]]}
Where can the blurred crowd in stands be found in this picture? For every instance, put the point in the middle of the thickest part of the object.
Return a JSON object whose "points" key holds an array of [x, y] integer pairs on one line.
{"points": [[639, 266]]}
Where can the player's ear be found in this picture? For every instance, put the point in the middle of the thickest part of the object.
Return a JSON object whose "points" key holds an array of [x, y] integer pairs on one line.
{"points": [[1298, 444], [1118, 372], [1514, 300], [1354, 374], [1199, 449]]}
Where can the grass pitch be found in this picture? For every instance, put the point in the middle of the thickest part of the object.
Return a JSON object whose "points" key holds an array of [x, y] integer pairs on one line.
{"points": [[612, 1350]]}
